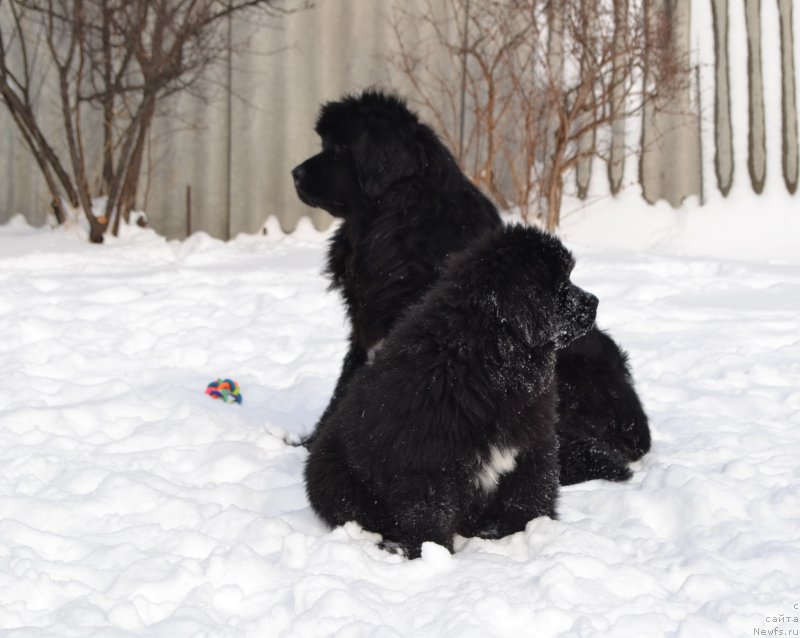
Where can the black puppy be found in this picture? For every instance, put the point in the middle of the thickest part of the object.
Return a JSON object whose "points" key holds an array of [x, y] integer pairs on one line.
{"points": [[406, 206], [450, 429]]}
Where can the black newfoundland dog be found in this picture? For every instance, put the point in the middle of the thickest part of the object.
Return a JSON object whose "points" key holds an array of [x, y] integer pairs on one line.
{"points": [[450, 428], [406, 207]]}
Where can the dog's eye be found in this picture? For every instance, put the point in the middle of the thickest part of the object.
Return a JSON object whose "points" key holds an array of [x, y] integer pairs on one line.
{"points": [[340, 149]]}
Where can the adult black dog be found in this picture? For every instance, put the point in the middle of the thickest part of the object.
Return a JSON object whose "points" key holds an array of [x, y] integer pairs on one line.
{"points": [[450, 429], [406, 207]]}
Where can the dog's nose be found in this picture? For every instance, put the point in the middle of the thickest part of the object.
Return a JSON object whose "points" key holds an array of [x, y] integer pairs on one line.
{"points": [[298, 173]]}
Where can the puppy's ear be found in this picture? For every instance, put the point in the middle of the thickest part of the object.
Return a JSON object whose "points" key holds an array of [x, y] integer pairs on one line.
{"points": [[383, 158], [507, 279], [496, 299]]}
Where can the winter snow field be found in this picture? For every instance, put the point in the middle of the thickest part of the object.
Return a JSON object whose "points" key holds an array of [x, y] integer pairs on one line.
{"points": [[131, 504]]}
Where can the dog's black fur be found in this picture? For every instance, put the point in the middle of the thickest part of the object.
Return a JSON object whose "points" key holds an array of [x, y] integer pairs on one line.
{"points": [[406, 207], [451, 427]]}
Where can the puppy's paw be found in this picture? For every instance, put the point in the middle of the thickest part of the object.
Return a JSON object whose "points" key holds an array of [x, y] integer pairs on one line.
{"points": [[490, 532], [616, 472], [401, 549], [588, 459], [296, 440]]}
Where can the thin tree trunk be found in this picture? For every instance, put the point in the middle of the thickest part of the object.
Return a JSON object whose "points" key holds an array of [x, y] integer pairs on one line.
{"points": [[41, 160], [130, 186], [42, 151], [555, 180], [554, 197], [108, 104], [124, 158], [96, 229]]}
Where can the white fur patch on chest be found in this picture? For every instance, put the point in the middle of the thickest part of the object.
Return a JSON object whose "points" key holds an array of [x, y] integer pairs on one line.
{"points": [[500, 461], [373, 351]]}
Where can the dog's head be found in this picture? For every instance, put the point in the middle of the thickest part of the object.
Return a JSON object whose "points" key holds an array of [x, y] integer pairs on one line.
{"points": [[369, 143], [519, 279]]}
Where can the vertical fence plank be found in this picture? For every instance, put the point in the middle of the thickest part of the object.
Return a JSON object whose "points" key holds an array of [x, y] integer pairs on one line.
{"points": [[616, 160], [788, 98], [583, 169], [723, 128], [669, 165], [587, 142], [555, 54], [756, 135]]}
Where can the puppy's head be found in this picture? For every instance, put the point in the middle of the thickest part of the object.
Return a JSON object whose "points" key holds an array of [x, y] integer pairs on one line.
{"points": [[329, 180], [369, 143], [518, 278]]}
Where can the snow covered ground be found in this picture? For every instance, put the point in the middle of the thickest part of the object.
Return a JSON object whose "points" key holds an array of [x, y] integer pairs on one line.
{"points": [[131, 504]]}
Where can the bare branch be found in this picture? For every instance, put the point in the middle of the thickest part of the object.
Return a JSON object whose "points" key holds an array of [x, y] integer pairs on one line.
{"points": [[116, 59], [530, 107]]}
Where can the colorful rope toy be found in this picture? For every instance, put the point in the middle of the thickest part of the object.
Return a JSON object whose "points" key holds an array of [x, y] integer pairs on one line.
{"points": [[225, 389]]}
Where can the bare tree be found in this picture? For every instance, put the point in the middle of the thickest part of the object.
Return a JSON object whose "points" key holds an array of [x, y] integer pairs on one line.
{"points": [[119, 59], [543, 81]]}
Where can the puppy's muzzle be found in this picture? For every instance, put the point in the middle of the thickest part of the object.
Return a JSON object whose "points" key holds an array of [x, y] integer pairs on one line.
{"points": [[588, 309]]}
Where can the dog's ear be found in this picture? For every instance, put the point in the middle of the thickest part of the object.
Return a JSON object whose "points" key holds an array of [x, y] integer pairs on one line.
{"points": [[494, 296], [383, 157], [508, 279]]}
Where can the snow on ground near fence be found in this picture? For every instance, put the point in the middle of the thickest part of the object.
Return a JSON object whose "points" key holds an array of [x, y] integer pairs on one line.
{"points": [[133, 505]]}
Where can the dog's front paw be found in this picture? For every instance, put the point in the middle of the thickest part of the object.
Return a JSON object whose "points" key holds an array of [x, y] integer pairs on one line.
{"points": [[401, 549]]}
